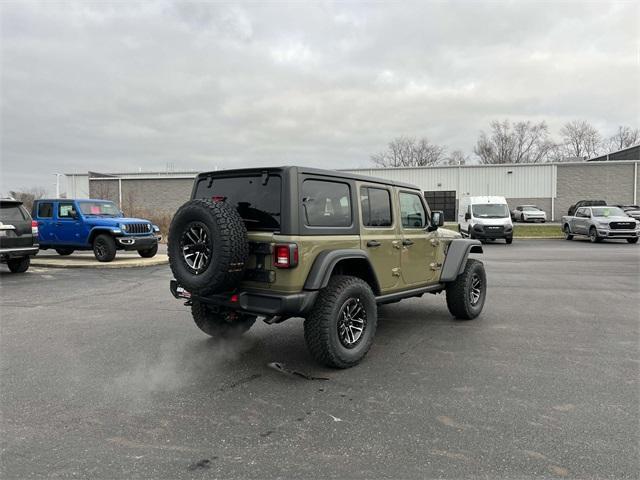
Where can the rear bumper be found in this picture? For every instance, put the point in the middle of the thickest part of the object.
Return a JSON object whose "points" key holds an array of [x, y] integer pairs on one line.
{"points": [[254, 301], [6, 253], [136, 243]]}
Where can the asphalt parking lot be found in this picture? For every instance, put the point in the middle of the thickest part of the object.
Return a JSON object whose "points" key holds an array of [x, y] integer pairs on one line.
{"points": [[105, 376]]}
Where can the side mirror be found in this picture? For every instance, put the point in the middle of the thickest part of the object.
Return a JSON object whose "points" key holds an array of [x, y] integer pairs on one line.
{"points": [[437, 218], [74, 214], [467, 216]]}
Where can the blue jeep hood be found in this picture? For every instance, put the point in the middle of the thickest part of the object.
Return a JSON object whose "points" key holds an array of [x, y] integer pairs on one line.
{"points": [[112, 221]]}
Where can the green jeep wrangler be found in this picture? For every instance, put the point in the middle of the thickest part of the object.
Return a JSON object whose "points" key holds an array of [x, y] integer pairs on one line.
{"points": [[328, 246]]}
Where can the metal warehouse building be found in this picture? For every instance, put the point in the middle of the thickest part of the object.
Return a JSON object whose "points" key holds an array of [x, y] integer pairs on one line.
{"points": [[552, 186]]}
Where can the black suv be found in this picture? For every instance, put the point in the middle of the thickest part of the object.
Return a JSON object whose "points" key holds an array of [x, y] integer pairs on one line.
{"points": [[18, 235]]}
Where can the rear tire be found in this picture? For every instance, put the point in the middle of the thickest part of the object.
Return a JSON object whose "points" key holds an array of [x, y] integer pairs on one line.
{"points": [[19, 265], [222, 324], [632, 240], [208, 247], [64, 251], [342, 324], [567, 233], [104, 248], [149, 252], [466, 295]]}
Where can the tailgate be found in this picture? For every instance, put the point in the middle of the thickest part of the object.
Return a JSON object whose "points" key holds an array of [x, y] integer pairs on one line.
{"points": [[260, 271], [15, 227]]}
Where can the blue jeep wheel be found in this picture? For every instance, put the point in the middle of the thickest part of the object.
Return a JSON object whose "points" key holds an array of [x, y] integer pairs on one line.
{"points": [[104, 248]]}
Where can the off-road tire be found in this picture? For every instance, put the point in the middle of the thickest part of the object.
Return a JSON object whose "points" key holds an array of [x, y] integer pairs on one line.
{"points": [[19, 265], [632, 240], [567, 233], [149, 252], [509, 240], [459, 299], [219, 325], [321, 326], [226, 239], [104, 248], [593, 235], [64, 251]]}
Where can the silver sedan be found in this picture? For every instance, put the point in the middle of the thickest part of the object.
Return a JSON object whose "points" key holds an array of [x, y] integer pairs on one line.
{"points": [[528, 213]]}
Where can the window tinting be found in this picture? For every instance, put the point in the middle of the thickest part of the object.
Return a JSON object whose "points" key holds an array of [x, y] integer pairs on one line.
{"points": [[45, 210], [376, 207], [11, 212], [411, 211], [257, 199], [326, 204]]}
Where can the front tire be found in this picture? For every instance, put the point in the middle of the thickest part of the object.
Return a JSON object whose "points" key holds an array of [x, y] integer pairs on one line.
{"points": [[340, 328], [19, 265], [467, 293], [149, 252], [509, 240], [593, 235], [104, 248], [632, 240], [64, 251], [221, 324]]}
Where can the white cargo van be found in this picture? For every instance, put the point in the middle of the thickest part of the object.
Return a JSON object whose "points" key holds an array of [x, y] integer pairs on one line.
{"points": [[485, 218]]}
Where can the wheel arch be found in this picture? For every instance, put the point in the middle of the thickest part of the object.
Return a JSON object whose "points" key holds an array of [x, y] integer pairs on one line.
{"points": [[341, 262], [97, 231], [457, 254]]}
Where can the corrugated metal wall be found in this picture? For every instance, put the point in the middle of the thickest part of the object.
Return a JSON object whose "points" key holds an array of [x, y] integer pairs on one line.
{"points": [[521, 181]]}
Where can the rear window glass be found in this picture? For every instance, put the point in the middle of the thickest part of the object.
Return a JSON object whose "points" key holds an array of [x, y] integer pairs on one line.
{"points": [[256, 199], [11, 213], [45, 210], [326, 204], [376, 207]]}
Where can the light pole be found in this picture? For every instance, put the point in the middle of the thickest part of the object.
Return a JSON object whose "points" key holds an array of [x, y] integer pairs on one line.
{"points": [[58, 175]]}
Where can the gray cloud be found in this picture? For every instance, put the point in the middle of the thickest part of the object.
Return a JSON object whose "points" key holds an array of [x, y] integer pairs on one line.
{"points": [[123, 85]]}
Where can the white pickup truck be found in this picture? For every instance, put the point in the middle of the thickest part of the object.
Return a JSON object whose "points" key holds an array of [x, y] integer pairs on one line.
{"points": [[601, 222]]}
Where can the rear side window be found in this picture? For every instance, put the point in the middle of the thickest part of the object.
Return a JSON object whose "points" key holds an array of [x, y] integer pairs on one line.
{"points": [[11, 212], [256, 198], [326, 204], [376, 207], [45, 210]]}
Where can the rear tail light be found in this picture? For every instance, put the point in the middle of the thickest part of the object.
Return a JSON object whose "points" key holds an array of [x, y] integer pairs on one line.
{"points": [[34, 227], [218, 198], [285, 255]]}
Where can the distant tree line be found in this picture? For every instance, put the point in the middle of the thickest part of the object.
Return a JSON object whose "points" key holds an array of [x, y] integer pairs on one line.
{"points": [[511, 142]]}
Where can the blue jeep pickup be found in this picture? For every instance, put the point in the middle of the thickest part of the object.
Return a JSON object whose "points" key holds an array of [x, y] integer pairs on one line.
{"points": [[98, 225]]}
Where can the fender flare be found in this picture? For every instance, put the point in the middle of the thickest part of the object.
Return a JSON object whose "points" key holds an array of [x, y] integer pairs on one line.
{"points": [[326, 261], [457, 254], [101, 229]]}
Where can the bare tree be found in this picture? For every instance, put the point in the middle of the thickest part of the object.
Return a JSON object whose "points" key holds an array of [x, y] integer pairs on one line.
{"points": [[580, 139], [409, 152], [104, 190], [524, 142], [27, 196], [457, 157], [623, 138]]}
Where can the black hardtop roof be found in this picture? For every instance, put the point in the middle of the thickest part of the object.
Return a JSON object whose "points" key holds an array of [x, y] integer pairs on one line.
{"points": [[312, 171], [10, 200]]}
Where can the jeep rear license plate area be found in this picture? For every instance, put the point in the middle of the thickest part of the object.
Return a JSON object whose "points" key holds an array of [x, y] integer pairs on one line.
{"points": [[178, 291]]}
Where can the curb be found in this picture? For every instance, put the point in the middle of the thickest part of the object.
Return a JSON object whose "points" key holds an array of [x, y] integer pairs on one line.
{"points": [[538, 238], [90, 263]]}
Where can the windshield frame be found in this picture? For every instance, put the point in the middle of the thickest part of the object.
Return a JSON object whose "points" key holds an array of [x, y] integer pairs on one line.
{"points": [[82, 203], [477, 214]]}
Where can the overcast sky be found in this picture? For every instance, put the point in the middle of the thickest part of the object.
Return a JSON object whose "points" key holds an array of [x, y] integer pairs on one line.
{"points": [[123, 86]]}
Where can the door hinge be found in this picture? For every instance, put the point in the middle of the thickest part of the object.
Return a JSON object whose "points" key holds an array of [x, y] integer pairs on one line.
{"points": [[395, 272], [435, 266]]}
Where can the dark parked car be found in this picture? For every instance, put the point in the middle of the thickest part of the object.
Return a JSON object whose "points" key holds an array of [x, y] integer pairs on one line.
{"points": [[18, 236], [585, 203]]}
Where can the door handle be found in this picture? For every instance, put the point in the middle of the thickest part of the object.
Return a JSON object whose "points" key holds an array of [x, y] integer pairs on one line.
{"points": [[407, 243], [373, 243]]}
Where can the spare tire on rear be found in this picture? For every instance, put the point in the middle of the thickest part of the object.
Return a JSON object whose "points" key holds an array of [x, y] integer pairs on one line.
{"points": [[208, 247]]}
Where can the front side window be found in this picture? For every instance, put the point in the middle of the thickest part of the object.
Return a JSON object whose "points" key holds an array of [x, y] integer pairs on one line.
{"points": [[326, 204], [66, 210], [45, 210], [412, 211], [490, 210], [376, 207], [106, 209]]}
